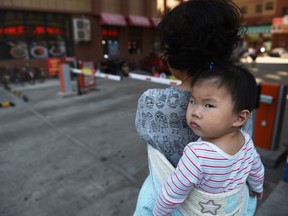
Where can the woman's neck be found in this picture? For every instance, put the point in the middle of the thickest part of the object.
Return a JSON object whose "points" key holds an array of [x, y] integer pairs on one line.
{"points": [[185, 83]]}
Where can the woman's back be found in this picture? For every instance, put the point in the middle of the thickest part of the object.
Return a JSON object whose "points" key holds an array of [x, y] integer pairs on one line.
{"points": [[161, 121]]}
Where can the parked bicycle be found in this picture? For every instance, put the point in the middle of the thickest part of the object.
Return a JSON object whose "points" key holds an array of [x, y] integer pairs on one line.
{"points": [[39, 74], [23, 75], [9, 75]]}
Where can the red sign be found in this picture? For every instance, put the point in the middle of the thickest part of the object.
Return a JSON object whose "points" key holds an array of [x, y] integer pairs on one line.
{"points": [[54, 66], [278, 21], [17, 30]]}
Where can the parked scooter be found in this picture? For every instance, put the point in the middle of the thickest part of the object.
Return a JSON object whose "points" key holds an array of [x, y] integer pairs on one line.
{"points": [[115, 67]]}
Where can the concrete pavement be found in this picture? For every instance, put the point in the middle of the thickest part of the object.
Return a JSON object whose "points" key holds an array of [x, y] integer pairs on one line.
{"points": [[80, 155], [265, 59], [71, 156]]}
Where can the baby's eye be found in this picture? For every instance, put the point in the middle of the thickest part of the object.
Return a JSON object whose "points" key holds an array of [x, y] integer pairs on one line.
{"points": [[193, 102], [208, 106]]}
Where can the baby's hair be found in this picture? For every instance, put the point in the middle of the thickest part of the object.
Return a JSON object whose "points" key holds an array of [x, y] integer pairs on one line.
{"points": [[199, 31], [237, 79]]}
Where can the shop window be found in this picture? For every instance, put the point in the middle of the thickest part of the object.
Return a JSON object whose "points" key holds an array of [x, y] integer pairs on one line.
{"points": [[4, 51], [1, 27], [258, 8], [135, 41], [269, 5], [34, 26], [58, 35], [110, 41], [156, 43], [285, 11], [13, 27], [34, 35], [244, 9]]}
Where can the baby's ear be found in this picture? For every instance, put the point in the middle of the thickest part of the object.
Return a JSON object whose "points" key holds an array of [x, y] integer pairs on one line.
{"points": [[241, 118]]}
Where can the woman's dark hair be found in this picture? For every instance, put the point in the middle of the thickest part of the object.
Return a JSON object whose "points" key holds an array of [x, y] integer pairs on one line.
{"points": [[198, 32], [238, 81]]}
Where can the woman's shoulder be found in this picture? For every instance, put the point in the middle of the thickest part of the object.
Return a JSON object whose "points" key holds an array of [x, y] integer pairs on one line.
{"points": [[170, 99], [156, 91], [170, 90]]}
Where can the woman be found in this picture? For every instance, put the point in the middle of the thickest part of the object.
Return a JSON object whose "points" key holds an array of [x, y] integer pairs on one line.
{"points": [[195, 34]]}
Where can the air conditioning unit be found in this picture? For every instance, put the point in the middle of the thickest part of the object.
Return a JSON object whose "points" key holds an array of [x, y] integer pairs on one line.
{"points": [[81, 29]]}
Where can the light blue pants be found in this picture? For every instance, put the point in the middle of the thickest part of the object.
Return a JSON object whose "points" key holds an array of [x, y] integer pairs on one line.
{"points": [[147, 196]]}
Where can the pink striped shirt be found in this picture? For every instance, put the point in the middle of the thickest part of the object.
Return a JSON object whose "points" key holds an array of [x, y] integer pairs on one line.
{"points": [[206, 167]]}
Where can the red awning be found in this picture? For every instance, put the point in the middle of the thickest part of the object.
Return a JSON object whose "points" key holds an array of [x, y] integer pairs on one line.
{"points": [[112, 19], [134, 20], [155, 21]]}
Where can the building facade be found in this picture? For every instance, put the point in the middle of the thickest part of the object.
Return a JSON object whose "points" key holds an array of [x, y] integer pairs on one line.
{"points": [[267, 22], [33, 31], [36, 31]]}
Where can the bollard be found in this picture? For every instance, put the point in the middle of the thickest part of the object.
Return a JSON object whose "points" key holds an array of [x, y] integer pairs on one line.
{"points": [[65, 80], [269, 116]]}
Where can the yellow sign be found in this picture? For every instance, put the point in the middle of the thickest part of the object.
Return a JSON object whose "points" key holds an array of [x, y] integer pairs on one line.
{"points": [[87, 71]]}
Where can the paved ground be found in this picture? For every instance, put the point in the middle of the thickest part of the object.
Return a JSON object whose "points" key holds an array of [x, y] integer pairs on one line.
{"points": [[71, 156], [81, 156]]}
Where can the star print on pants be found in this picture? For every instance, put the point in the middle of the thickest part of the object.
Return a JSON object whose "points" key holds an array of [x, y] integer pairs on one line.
{"points": [[210, 207]]}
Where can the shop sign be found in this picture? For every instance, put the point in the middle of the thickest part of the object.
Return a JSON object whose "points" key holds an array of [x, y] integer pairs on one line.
{"points": [[18, 50], [19, 30], [277, 29], [57, 48], [285, 20], [53, 66], [36, 49], [280, 25], [278, 21], [39, 50], [88, 79], [111, 33], [42, 49]]}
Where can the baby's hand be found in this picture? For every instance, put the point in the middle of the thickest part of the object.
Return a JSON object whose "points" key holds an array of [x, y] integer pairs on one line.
{"points": [[253, 194]]}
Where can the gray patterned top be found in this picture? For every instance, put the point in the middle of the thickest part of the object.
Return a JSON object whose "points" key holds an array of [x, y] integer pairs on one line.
{"points": [[161, 121]]}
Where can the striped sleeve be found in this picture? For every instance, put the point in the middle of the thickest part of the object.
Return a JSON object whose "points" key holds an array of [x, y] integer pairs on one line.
{"points": [[256, 176], [179, 183]]}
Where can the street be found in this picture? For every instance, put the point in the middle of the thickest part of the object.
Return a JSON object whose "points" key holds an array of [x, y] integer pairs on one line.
{"points": [[271, 73], [81, 155]]}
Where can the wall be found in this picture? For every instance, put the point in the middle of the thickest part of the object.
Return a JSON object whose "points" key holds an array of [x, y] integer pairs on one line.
{"points": [[49, 5], [112, 6], [90, 50], [136, 7]]}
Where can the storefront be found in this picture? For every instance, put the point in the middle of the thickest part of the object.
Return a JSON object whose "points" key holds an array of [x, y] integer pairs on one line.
{"points": [[280, 32], [111, 24], [258, 36], [32, 35], [44, 40], [135, 34], [131, 37]]}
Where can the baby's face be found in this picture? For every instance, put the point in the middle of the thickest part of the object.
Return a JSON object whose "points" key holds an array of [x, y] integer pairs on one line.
{"points": [[210, 110]]}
